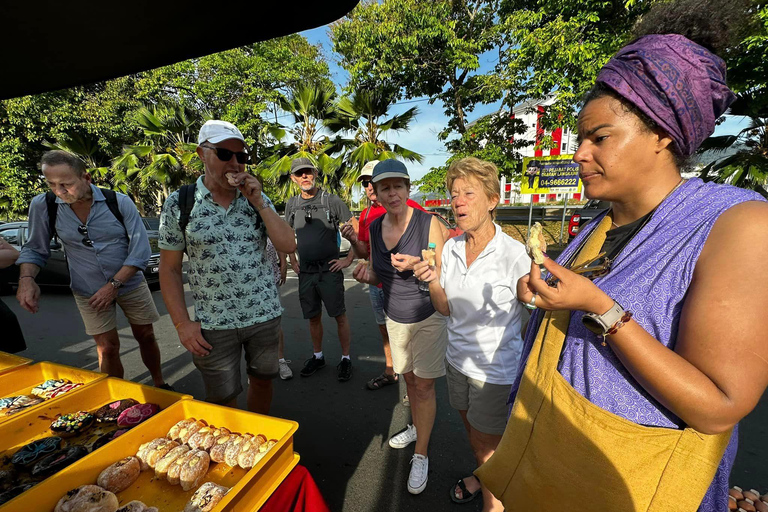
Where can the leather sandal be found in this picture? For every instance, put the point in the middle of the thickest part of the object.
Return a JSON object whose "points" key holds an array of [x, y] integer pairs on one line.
{"points": [[466, 495], [382, 380]]}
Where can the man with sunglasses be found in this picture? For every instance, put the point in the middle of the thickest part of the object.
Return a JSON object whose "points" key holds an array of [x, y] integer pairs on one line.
{"points": [[237, 303], [316, 216], [104, 254], [360, 241]]}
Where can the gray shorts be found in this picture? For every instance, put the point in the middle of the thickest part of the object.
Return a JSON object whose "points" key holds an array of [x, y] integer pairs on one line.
{"points": [[486, 404], [221, 367], [376, 295], [318, 288]]}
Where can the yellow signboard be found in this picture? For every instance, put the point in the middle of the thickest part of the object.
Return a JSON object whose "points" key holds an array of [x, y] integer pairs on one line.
{"points": [[557, 174]]}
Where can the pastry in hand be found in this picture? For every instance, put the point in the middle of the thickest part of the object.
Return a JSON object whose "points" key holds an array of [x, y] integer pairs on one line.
{"points": [[233, 449], [194, 469], [134, 415], [112, 411], [69, 425], [58, 460], [34, 451], [211, 437], [120, 475], [88, 498], [536, 244], [219, 448], [164, 464], [206, 498]]}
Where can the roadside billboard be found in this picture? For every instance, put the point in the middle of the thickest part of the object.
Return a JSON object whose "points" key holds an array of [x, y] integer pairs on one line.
{"points": [[557, 174]]}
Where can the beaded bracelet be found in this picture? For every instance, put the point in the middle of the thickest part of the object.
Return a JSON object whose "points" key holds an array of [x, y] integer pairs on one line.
{"points": [[618, 325]]}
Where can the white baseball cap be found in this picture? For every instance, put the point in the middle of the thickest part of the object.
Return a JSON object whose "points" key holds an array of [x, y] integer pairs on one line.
{"points": [[367, 171], [215, 131]]}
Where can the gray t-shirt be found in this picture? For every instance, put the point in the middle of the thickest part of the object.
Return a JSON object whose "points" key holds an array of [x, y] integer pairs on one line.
{"points": [[316, 223]]}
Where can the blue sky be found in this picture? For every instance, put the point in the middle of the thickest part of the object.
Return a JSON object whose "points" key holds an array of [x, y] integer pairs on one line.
{"points": [[422, 137]]}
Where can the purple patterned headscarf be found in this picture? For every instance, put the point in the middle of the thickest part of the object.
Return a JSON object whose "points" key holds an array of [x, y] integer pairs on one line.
{"points": [[674, 81]]}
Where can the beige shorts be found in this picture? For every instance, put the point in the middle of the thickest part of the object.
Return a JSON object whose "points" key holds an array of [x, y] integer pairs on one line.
{"points": [[420, 347], [138, 306], [485, 403]]}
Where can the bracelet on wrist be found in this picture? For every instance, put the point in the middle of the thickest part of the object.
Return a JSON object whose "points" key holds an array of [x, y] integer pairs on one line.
{"points": [[618, 325]]}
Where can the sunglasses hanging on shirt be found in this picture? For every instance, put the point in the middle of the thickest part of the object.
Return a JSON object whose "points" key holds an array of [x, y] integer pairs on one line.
{"points": [[83, 230]]}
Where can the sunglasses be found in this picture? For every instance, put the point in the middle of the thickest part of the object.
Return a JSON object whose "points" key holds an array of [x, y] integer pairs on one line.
{"points": [[592, 269], [308, 212], [225, 155], [365, 183], [83, 230], [302, 172]]}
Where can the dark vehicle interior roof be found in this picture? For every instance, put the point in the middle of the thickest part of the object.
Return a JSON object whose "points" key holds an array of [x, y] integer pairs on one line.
{"points": [[50, 44]]}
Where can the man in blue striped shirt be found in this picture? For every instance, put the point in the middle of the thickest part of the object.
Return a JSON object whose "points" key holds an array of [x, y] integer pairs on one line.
{"points": [[105, 257]]}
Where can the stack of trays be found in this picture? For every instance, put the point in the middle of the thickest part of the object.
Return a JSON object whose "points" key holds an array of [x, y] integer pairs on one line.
{"points": [[9, 361]]}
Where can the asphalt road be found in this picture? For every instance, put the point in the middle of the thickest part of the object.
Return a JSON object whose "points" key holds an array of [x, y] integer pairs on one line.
{"points": [[343, 427]]}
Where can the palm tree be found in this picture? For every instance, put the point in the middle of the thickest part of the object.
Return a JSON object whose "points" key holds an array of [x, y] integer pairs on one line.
{"points": [[747, 164], [365, 115], [167, 157], [309, 106]]}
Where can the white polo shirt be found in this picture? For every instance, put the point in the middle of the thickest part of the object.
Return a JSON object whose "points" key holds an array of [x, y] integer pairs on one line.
{"points": [[484, 338]]}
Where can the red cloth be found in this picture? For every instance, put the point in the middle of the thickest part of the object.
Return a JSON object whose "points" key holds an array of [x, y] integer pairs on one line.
{"points": [[297, 493]]}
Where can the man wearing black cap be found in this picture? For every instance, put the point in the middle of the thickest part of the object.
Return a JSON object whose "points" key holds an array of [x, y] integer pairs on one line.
{"points": [[316, 215]]}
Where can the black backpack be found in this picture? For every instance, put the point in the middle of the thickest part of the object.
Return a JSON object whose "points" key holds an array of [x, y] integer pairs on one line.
{"points": [[187, 202], [109, 195]]}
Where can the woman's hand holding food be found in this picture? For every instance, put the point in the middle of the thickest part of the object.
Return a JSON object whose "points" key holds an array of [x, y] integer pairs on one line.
{"points": [[572, 291], [404, 262], [348, 232], [425, 272]]}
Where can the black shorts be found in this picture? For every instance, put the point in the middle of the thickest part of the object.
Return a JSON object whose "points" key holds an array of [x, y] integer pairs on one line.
{"points": [[318, 288]]}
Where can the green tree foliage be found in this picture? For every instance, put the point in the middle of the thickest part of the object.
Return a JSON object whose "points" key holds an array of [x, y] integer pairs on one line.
{"points": [[422, 48]]}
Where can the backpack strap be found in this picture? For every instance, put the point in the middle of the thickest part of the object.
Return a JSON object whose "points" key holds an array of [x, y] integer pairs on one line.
{"points": [[53, 210], [110, 197], [324, 202], [186, 203], [290, 209]]}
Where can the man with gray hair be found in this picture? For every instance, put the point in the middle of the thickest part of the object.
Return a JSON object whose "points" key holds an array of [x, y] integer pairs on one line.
{"points": [[106, 246]]}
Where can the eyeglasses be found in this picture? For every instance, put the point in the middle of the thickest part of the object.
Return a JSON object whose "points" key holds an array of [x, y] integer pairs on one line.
{"points": [[365, 183], [225, 155], [83, 230]]}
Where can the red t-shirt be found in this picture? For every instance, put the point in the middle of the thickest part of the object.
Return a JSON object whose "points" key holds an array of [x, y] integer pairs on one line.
{"points": [[366, 217]]}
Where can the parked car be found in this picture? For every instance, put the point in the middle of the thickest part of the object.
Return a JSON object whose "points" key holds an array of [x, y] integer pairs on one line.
{"points": [[589, 211], [56, 272], [453, 230]]}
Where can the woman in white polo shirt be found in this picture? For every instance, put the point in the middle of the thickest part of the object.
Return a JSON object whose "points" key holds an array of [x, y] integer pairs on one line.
{"points": [[477, 290]]}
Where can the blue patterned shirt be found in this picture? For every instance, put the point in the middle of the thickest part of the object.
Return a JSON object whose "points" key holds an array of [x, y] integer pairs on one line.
{"points": [[230, 275]]}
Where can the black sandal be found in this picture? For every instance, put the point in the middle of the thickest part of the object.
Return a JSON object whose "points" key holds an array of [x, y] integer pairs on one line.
{"points": [[382, 380], [462, 486]]}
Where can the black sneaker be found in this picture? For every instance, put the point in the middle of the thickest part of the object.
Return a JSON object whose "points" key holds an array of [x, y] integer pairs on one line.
{"points": [[312, 365], [345, 369]]}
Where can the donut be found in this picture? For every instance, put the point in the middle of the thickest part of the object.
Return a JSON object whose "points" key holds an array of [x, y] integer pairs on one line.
{"points": [[190, 429], [163, 465], [136, 506], [196, 440], [211, 437], [194, 469], [12, 493], [111, 411], [206, 498], [35, 450], [87, 498], [149, 453], [59, 460], [48, 386], [247, 457], [15, 404], [120, 475], [8, 478], [174, 471], [233, 449], [173, 433], [219, 447], [136, 414], [72, 424]]}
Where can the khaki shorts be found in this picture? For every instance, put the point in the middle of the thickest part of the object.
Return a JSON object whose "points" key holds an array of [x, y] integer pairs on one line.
{"points": [[420, 347], [485, 403], [138, 306]]}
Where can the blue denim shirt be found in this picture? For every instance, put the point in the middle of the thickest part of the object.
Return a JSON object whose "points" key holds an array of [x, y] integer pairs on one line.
{"points": [[90, 268]]}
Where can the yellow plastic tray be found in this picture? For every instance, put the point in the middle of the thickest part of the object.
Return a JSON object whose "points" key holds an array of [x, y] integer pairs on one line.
{"points": [[159, 493], [33, 424], [21, 381], [257, 491], [9, 362]]}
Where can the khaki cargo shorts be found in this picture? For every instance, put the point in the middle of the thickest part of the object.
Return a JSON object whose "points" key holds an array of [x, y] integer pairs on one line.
{"points": [[419, 347], [138, 306]]}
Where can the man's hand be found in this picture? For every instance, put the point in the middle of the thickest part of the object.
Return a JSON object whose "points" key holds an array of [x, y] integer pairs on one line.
{"points": [[249, 186], [191, 336], [348, 232], [362, 272], [337, 265], [404, 262], [28, 294], [103, 299]]}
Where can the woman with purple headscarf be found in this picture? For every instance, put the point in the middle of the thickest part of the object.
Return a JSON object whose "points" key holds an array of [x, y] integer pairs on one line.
{"points": [[650, 342]]}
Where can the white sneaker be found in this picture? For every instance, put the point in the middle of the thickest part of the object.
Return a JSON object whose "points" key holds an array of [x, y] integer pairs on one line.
{"points": [[403, 438], [285, 370], [417, 480]]}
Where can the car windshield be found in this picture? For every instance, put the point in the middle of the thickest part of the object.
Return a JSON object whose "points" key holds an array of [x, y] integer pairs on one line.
{"points": [[151, 223]]}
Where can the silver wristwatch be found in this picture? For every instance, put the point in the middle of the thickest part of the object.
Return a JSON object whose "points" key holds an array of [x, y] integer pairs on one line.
{"points": [[116, 284], [600, 324]]}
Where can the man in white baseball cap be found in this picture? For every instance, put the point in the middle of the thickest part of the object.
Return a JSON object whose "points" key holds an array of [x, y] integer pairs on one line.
{"points": [[222, 222]]}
